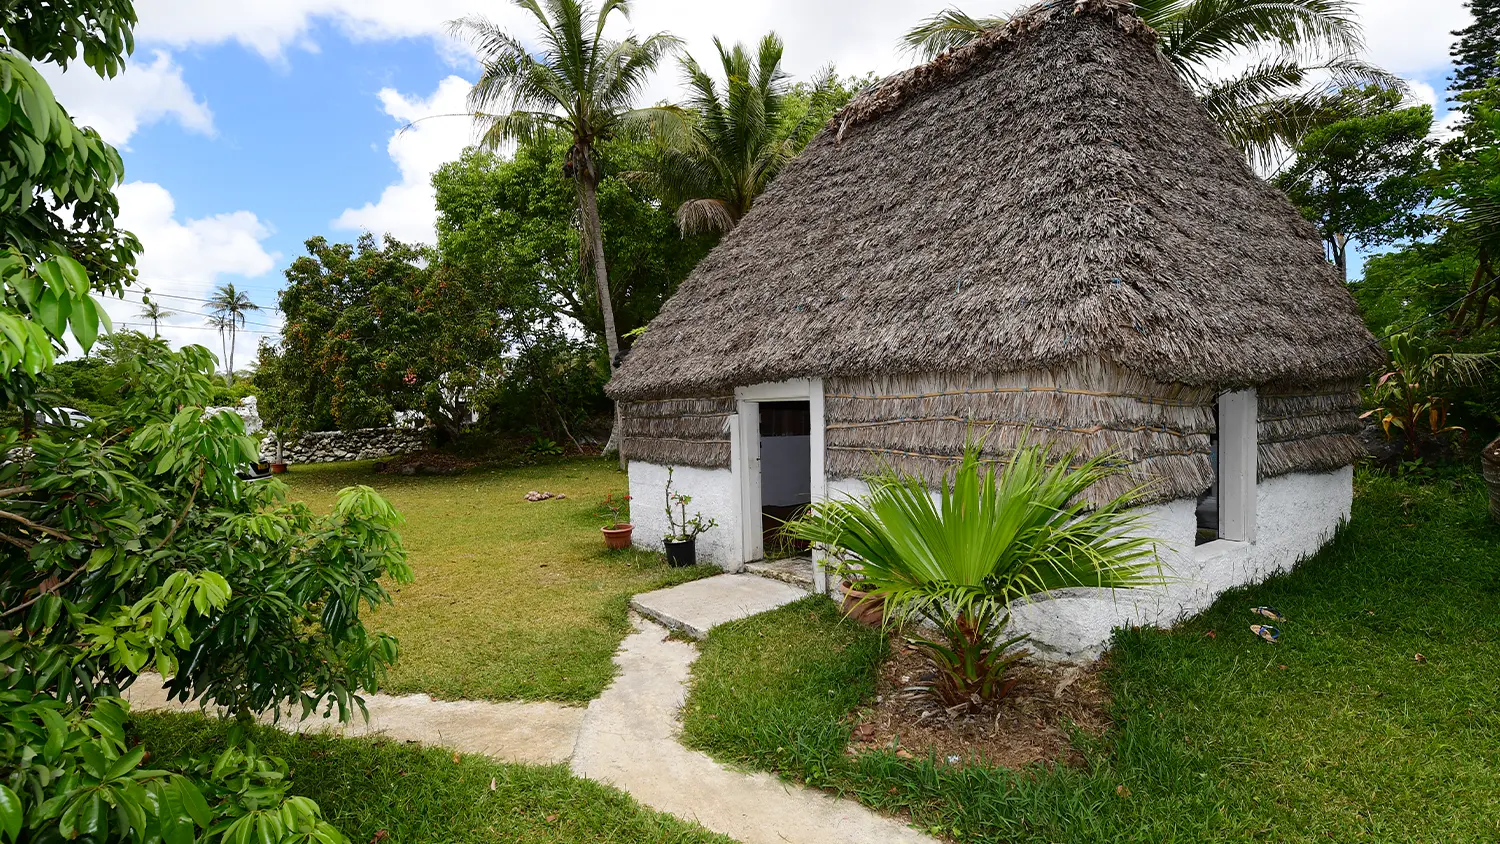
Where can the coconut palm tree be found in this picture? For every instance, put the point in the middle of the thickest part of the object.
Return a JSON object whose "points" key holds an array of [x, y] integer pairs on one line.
{"points": [[156, 313], [718, 160], [229, 306], [1304, 54], [577, 82]]}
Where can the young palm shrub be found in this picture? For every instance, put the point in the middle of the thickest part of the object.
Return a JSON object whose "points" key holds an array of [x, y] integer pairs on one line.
{"points": [[958, 560]]}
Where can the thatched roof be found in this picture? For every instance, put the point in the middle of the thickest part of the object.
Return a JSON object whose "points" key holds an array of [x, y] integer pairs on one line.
{"points": [[1048, 194]]}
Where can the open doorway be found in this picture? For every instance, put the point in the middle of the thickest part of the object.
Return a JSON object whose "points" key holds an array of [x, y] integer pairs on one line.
{"points": [[785, 473]]}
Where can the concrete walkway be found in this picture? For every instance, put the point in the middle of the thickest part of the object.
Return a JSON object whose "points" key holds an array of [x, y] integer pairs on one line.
{"points": [[628, 736], [698, 606], [531, 733], [629, 740]]}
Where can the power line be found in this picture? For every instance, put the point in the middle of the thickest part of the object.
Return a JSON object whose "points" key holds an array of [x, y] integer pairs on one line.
{"points": [[196, 328]]}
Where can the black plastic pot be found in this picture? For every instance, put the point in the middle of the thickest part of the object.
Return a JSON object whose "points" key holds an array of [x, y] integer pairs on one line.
{"points": [[681, 554]]}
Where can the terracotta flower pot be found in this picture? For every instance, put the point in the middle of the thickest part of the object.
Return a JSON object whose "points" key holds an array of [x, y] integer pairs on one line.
{"points": [[858, 605], [1491, 463], [278, 468], [618, 537]]}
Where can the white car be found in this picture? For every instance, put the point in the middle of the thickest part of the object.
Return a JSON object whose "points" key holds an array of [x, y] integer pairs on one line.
{"points": [[63, 417]]}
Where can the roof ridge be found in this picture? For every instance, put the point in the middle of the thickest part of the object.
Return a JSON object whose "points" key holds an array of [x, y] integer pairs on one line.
{"points": [[901, 87]]}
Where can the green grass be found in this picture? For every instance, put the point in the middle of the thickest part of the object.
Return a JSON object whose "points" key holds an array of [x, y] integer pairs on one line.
{"points": [[1336, 734], [422, 795], [513, 599]]}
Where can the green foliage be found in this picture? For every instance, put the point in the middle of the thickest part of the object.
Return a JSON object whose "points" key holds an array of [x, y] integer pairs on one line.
{"points": [[735, 140], [1476, 55], [381, 790], [133, 545], [1364, 179], [576, 82], [375, 329], [1412, 397], [992, 537], [1336, 733], [1303, 55], [512, 224]]}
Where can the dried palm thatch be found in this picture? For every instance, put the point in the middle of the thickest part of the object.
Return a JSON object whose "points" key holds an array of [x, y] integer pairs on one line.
{"points": [[679, 432], [1047, 195], [1305, 429]]}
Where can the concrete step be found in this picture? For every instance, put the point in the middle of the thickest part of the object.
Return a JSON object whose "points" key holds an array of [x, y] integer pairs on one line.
{"points": [[697, 607], [798, 571]]}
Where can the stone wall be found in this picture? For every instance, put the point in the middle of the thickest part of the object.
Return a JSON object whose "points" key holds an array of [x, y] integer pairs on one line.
{"points": [[336, 446]]}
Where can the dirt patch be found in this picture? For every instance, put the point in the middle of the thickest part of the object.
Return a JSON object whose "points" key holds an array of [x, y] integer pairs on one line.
{"points": [[1030, 725], [427, 463]]}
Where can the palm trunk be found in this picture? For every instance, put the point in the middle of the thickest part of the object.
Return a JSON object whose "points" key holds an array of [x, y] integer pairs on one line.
{"points": [[229, 376], [594, 232]]}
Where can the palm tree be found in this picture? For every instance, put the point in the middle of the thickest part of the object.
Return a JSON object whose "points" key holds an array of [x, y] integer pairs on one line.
{"points": [[578, 83], [229, 307], [1304, 53], [715, 164], [156, 313]]}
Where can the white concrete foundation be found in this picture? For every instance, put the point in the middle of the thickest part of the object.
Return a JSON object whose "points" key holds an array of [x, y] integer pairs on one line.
{"points": [[715, 494], [1296, 515]]}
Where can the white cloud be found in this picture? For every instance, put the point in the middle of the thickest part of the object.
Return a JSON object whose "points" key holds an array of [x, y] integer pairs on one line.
{"points": [[187, 259], [1410, 38], [270, 27], [142, 94], [407, 209]]}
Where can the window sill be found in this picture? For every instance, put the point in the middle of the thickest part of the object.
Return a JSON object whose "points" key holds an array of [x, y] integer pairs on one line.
{"points": [[1219, 548]]}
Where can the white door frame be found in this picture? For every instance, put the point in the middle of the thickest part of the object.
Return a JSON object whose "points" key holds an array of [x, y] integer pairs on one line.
{"points": [[745, 455]]}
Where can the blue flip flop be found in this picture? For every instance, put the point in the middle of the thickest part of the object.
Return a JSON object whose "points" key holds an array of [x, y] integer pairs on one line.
{"points": [[1266, 631], [1269, 612]]}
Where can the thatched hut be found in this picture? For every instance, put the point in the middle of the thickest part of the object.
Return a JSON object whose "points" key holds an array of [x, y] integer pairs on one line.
{"points": [[1041, 231]]}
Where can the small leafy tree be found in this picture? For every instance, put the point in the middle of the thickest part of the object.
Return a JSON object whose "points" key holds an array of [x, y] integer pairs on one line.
{"points": [[1364, 179], [990, 538], [129, 543]]}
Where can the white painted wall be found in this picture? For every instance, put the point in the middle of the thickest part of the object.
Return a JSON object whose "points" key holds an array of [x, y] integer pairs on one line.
{"points": [[715, 493], [1295, 514], [785, 471]]}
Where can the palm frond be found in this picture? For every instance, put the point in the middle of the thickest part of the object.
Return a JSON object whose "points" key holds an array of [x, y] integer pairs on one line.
{"points": [[945, 31], [1201, 32], [700, 216]]}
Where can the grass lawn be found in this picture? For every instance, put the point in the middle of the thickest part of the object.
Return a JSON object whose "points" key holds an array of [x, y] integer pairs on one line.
{"points": [[423, 795], [513, 599], [1338, 733]]}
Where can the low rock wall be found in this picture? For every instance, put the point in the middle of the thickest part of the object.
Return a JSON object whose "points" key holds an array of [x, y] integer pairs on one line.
{"points": [[337, 446]]}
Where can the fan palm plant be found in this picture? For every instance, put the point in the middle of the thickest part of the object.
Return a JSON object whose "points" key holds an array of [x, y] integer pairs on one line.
{"points": [[734, 142], [1303, 54], [229, 305], [957, 560], [576, 82]]}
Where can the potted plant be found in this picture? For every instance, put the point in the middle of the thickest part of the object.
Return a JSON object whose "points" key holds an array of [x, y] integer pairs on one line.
{"points": [[616, 532], [681, 540]]}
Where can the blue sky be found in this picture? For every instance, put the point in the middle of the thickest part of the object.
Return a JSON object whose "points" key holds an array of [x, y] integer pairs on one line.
{"points": [[248, 128]]}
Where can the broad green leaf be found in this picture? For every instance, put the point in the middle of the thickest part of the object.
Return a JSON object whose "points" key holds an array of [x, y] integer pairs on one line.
{"points": [[4, 111], [73, 272], [11, 813], [53, 312], [125, 764], [85, 321]]}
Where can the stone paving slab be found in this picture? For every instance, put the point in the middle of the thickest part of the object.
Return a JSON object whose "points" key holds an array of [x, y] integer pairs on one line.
{"points": [[629, 740], [699, 606], [532, 733]]}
